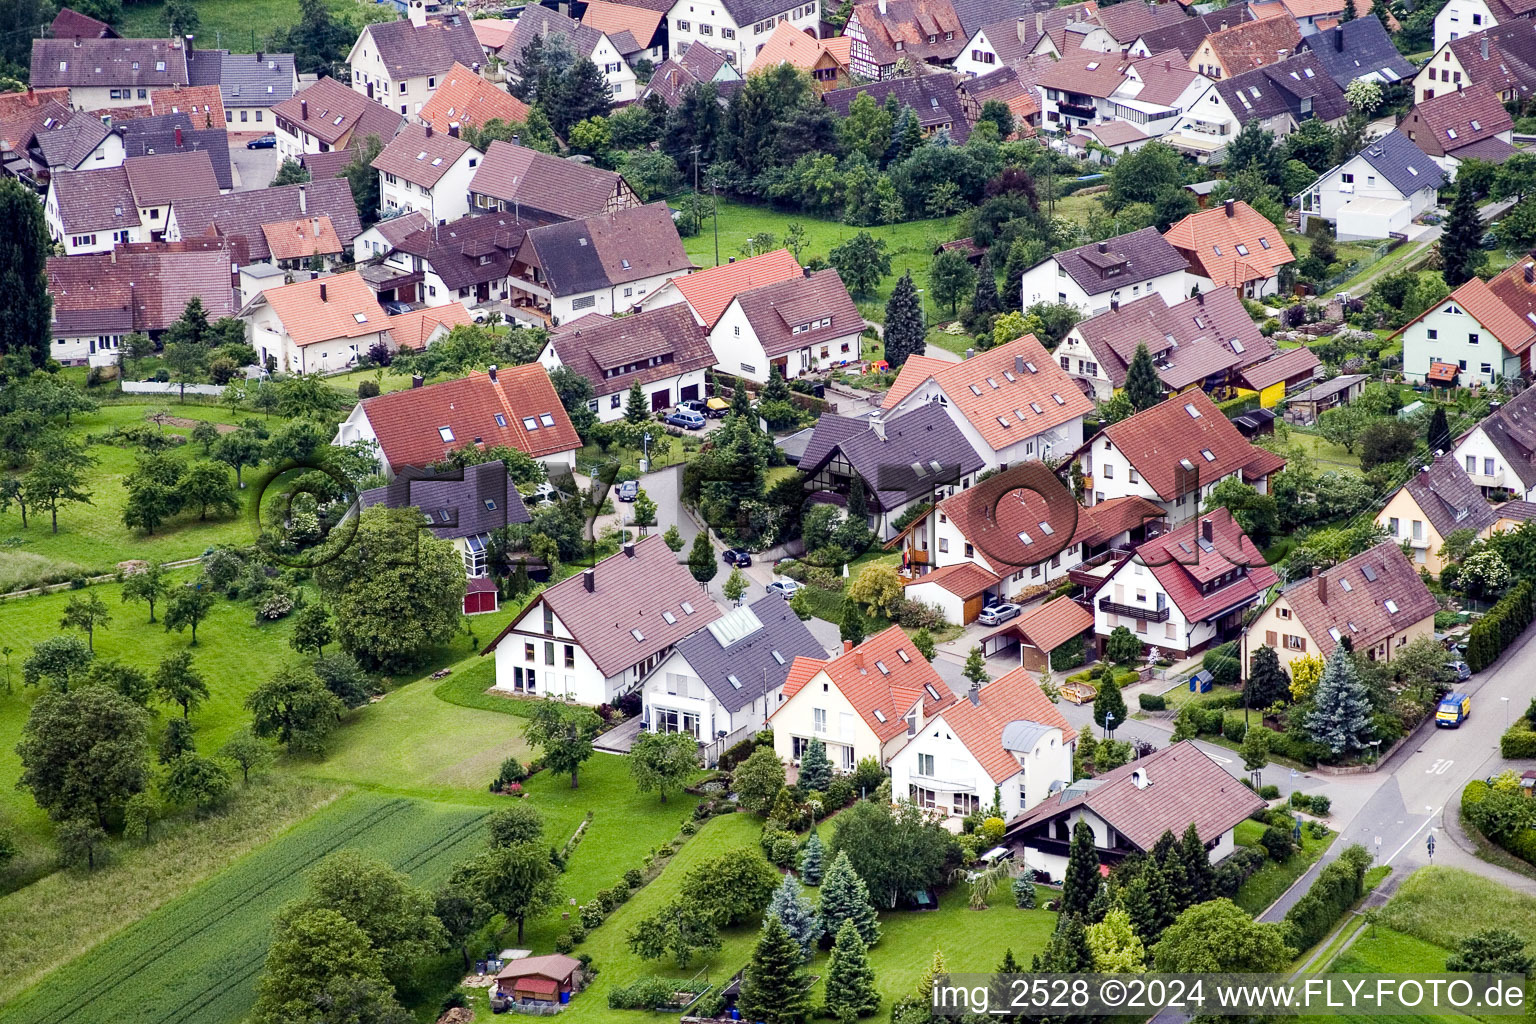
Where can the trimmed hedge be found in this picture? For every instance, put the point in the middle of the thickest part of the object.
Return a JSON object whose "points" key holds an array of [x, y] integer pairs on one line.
{"points": [[1500, 627], [1338, 887], [1519, 741], [1153, 702], [1522, 845]]}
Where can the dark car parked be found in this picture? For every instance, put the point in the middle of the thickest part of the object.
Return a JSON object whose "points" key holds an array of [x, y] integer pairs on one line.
{"points": [[267, 141], [739, 557]]}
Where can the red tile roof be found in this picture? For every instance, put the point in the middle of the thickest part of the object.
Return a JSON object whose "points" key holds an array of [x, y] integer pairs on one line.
{"points": [[1517, 293], [630, 592], [1120, 515], [408, 423], [787, 45], [517, 175], [302, 238], [906, 681], [613, 18], [1053, 623], [1185, 565], [998, 525], [1283, 365], [166, 177], [21, 112], [1351, 599], [140, 288], [1455, 119], [420, 154], [1157, 441], [204, 104], [463, 97], [1254, 44], [963, 579], [1210, 240], [1179, 786], [414, 329], [1008, 393], [336, 113], [326, 308], [710, 291], [1014, 697]]}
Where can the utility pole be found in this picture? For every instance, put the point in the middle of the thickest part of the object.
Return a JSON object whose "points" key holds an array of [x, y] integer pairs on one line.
{"points": [[714, 191]]}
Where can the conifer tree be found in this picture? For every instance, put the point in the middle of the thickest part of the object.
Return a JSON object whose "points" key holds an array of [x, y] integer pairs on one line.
{"points": [[845, 897], [1460, 248], [773, 987], [986, 287], [903, 322], [1341, 707], [812, 860], [1197, 865], [850, 981], [1081, 882], [635, 408], [1439, 431], [797, 915], [1349, 12], [1068, 952], [815, 768], [1136, 898], [1141, 384], [1160, 895], [1165, 853], [1109, 702]]}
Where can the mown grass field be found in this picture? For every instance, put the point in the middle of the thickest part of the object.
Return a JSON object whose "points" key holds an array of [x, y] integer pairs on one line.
{"points": [[92, 538], [230, 24], [196, 959]]}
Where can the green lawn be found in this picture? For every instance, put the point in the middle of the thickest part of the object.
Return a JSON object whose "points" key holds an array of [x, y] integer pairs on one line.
{"points": [[92, 538], [1271, 881], [1328, 454], [231, 24], [972, 941], [910, 245]]}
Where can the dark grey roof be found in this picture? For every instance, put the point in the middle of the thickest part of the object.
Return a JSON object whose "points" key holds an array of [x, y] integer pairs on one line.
{"points": [[921, 437], [1401, 162], [86, 63], [1513, 432], [409, 51], [1356, 49], [1448, 497], [1145, 254], [247, 82], [1298, 82], [453, 251], [206, 67], [545, 23], [932, 98], [742, 643], [67, 145], [143, 136], [1492, 149], [469, 504], [745, 12]]}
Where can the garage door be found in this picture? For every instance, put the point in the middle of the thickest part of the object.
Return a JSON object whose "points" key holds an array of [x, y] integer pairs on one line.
{"points": [[689, 393], [661, 399], [973, 608]]}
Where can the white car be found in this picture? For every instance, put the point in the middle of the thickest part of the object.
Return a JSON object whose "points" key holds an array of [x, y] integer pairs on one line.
{"points": [[997, 614], [784, 588]]}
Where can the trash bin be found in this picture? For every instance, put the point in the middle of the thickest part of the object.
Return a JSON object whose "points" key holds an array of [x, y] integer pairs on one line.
{"points": [[565, 996]]}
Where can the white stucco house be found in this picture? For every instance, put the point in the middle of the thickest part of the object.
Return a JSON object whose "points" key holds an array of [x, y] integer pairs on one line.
{"points": [[868, 701], [1130, 808], [663, 350], [1376, 192], [323, 325], [423, 169], [1476, 335], [735, 29], [398, 64], [1092, 277], [1500, 452], [1005, 739], [798, 324], [593, 637]]}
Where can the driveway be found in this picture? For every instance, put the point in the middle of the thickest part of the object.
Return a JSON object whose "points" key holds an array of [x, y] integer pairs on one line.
{"points": [[253, 168]]}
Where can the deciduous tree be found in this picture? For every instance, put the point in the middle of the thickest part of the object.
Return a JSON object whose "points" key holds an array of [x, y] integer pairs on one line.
{"points": [[896, 851], [662, 761], [58, 660], [88, 612], [57, 476], [733, 888], [758, 780], [84, 753], [189, 605], [177, 682], [205, 486], [247, 752], [194, 781], [317, 959], [565, 733], [295, 708], [25, 306], [1219, 936], [861, 262], [394, 914], [680, 929]]}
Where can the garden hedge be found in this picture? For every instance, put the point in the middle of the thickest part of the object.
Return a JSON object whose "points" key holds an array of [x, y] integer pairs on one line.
{"points": [[1495, 631], [1153, 702], [1519, 741], [1338, 887]]}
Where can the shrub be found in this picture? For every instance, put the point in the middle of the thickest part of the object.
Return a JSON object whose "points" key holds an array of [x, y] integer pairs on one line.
{"points": [[1024, 892], [840, 793], [1300, 799], [1277, 842], [1236, 869], [633, 878], [1321, 805], [689, 828], [1332, 895], [1519, 741], [591, 915], [642, 994], [1235, 730], [367, 389], [512, 770], [564, 943], [1269, 792], [737, 753], [1153, 702], [1317, 830]]}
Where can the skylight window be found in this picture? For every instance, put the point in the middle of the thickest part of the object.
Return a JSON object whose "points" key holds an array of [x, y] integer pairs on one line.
{"points": [[687, 608], [883, 670], [1238, 346], [1369, 573], [1059, 399], [1353, 628], [1025, 538], [1048, 529], [338, 119], [1188, 466], [879, 716], [501, 419], [735, 683], [1242, 250], [1036, 406], [1476, 126], [1255, 90], [1009, 377], [529, 423], [670, 619], [901, 652], [1217, 248], [1208, 454], [777, 657], [1451, 132], [1392, 606], [1031, 367], [1264, 242], [422, 155], [639, 636], [443, 516], [975, 390], [547, 419], [361, 318], [624, 264], [992, 381], [1002, 421], [1194, 413], [931, 691], [1309, 72], [1092, 65], [490, 505], [437, 161], [1348, 586], [1333, 631], [1413, 170], [446, 433]]}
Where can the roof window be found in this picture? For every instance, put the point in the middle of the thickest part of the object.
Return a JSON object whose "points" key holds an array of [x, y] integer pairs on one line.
{"points": [[777, 657], [735, 683], [687, 608], [446, 433], [975, 390], [1348, 586], [529, 423], [1194, 413], [1188, 466], [1009, 377], [931, 691], [670, 619], [501, 419], [992, 381], [1036, 406], [547, 419], [361, 318], [1264, 242], [901, 652], [1002, 421], [490, 505], [1333, 631], [883, 670], [1030, 367], [1391, 606], [879, 716], [1025, 537], [1242, 250], [1369, 573], [1208, 454], [639, 636], [1059, 399]]}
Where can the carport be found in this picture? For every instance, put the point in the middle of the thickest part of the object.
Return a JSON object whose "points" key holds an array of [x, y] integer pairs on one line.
{"points": [[1040, 631]]}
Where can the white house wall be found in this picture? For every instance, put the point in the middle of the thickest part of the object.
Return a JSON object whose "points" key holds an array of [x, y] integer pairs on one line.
{"points": [[1446, 335], [1048, 282]]}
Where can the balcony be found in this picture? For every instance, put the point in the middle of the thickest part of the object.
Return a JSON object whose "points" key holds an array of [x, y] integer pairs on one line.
{"points": [[1084, 112], [1495, 479], [1134, 611]]}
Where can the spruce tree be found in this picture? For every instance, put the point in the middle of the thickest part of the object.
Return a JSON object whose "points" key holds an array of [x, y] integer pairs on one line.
{"points": [[1141, 384], [903, 323], [1439, 431], [1197, 865], [777, 389], [1460, 248], [773, 987], [1009, 965], [1166, 853], [25, 306], [812, 860], [1081, 881], [1136, 898], [1108, 702], [635, 409], [911, 137], [1341, 707], [815, 769], [850, 981], [1160, 893], [796, 914], [1068, 952], [1267, 680], [845, 897], [1349, 12], [986, 287]]}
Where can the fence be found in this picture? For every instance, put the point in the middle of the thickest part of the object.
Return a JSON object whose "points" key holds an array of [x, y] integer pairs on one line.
{"points": [[155, 387]]}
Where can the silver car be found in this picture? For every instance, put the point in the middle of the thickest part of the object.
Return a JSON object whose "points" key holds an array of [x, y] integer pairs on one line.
{"points": [[784, 588], [997, 614]]}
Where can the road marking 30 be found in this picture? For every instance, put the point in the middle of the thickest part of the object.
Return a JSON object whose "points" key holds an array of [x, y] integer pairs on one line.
{"points": [[1440, 767]]}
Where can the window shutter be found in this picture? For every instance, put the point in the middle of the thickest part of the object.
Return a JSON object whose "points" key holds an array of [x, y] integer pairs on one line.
{"points": [[1269, 637]]}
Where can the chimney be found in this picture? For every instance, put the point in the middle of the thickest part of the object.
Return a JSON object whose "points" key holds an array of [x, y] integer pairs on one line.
{"points": [[1280, 54], [589, 580], [303, 109], [1167, 65], [178, 137], [878, 426], [114, 256], [315, 225], [629, 549], [429, 131], [1231, 205], [1484, 47], [1322, 588], [1338, 38], [77, 40], [847, 646], [260, 56], [1530, 273], [974, 695], [1103, 247], [418, 13], [858, 656], [491, 371], [1200, 298], [31, 95], [417, 380], [1207, 532], [730, 259], [806, 271], [1114, 305], [969, 352], [453, 130], [1039, 23], [322, 292], [1018, 364], [314, 275], [516, 139], [303, 199]]}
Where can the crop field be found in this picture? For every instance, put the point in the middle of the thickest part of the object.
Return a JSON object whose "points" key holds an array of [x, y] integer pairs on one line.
{"points": [[196, 960]]}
